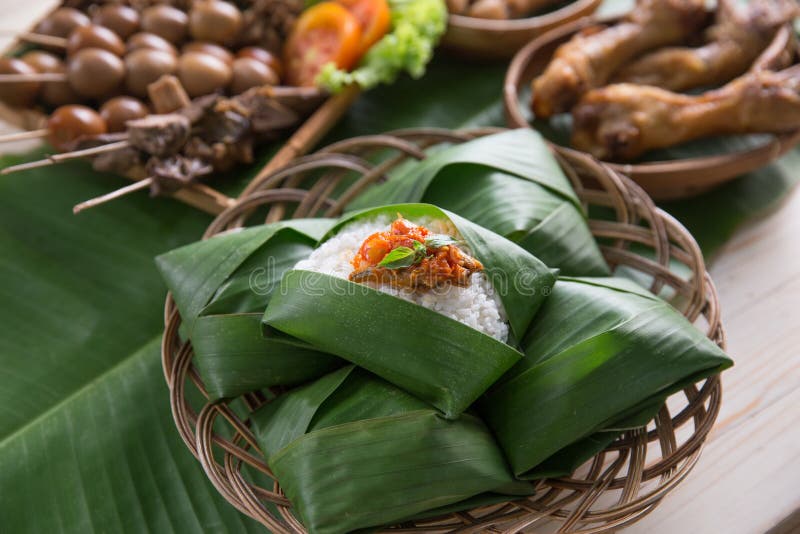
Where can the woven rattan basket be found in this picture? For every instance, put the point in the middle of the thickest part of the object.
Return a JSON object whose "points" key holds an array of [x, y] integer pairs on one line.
{"points": [[616, 488]]}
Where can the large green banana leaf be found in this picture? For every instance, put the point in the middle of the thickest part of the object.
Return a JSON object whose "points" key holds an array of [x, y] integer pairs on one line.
{"points": [[86, 435], [439, 359], [352, 451], [509, 183], [81, 314], [598, 353], [221, 287]]}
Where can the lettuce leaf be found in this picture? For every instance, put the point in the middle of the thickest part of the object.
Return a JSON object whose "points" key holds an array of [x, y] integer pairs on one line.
{"points": [[417, 26]]}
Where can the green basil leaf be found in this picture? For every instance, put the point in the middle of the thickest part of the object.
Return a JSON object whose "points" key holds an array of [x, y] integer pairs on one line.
{"points": [[440, 240], [404, 256], [398, 258]]}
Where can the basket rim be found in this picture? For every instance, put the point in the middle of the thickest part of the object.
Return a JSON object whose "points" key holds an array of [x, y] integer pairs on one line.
{"points": [[538, 22], [670, 241]]}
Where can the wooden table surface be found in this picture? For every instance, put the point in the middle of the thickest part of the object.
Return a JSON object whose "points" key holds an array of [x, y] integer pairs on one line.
{"points": [[748, 479]]}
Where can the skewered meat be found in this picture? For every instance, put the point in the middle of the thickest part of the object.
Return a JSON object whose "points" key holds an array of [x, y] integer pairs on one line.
{"points": [[262, 109], [590, 58], [221, 156], [173, 172], [224, 127], [125, 161], [622, 121], [159, 135], [736, 39], [267, 23]]}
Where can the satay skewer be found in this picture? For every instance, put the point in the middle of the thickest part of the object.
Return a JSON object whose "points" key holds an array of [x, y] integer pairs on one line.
{"points": [[34, 77], [41, 39], [219, 201], [37, 38], [93, 151], [121, 192], [24, 136], [66, 156]]}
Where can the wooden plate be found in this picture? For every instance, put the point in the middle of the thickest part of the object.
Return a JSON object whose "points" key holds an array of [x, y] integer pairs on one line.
{"points": [[499, 39], [663, 180]]}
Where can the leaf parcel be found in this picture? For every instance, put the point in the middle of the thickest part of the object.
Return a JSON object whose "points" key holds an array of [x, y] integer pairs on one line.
{"points": [[601, 355], [509, 183], [222, 286], [352, 451], [442, 358]]}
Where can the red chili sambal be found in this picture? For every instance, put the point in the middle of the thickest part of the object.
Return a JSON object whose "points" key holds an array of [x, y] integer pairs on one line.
{"points": [[410, 256]]}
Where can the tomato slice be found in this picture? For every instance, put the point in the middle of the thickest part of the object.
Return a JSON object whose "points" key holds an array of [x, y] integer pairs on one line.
{"points": [[323, 33], [374, 17]]}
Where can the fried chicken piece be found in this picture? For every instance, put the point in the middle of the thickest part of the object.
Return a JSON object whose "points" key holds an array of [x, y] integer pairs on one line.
{"points": [[623, 121], [739, 35], [590, 58]]}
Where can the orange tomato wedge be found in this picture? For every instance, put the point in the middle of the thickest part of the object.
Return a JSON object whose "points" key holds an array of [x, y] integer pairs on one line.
{"points": [[374, 17], [326, 32]]}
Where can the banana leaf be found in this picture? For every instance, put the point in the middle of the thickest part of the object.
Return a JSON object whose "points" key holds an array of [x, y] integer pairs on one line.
{"points": [[221, 287], [352, 451], [509, 183], [602, 354], [430, 355]]}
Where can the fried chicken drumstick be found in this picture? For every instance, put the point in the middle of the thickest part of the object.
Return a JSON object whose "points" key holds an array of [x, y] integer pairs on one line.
{"points": [[590, 58], [738, 36], [622, 121]]}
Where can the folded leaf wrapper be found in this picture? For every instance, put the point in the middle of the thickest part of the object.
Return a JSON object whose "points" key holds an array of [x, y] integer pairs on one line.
{"points": [[222, 286], [509, 183], [352, 451], [438, 359], [602, 355]]}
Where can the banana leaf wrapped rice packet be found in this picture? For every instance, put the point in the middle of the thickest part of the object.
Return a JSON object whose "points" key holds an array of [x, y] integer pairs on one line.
{"points": [[431, 302], [602, 355], [352, 451], [221, 287], [441, 364], [509, 183]]}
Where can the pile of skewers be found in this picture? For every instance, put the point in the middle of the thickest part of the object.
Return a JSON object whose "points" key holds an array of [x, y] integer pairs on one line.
{"points": [[168, 118], [647, 82]]}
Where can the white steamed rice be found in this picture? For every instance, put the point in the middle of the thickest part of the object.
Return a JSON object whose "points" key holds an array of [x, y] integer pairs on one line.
{"points": [[476, 305]]}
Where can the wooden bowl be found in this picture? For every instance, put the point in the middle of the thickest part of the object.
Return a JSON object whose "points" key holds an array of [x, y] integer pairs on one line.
{"points": [[663, 180], [474, 37], [617, 487]]}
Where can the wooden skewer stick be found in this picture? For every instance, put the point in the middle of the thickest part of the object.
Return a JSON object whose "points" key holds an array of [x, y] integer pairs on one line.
{"points": [[26, 166], [33, 77], [121, 192], [308, 135], [301, 142], [198, 195], [22, 136], [42, 39], [37, 38], [75, 154], [66, 156]]}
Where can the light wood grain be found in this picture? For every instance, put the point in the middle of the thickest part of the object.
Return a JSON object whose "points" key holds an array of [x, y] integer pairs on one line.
{"points": [[747, 478]]}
